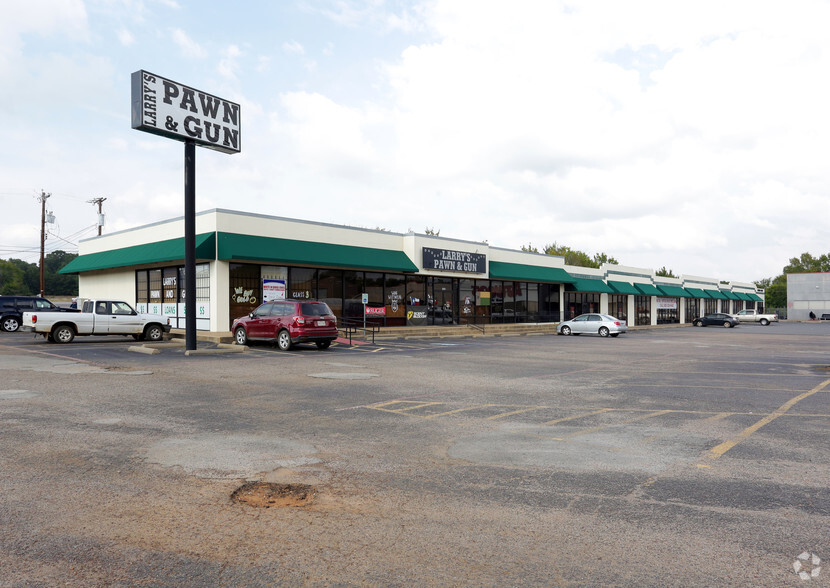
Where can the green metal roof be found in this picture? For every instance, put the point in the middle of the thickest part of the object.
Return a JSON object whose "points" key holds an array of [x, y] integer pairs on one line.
{"points": [[623, 287], [234, 246], [675, 291], [717, 294], [697, 293], [588, 285], [501, 270], [648, 289], [157, 252]]}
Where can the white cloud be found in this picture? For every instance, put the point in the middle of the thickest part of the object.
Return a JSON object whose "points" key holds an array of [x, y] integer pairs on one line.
{"points": [[229, 65], [188, 46], [125, 37], [293, 48]]}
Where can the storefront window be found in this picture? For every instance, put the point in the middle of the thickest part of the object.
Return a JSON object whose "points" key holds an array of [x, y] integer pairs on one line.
{"points": [[395, 292], [618, 306], [330, 290], [302, 283], [549, 302], [711, 305], [642, 307], [170, 285], [692, 309], [353, 296], [155, 286], [416, 300], [577, 303], [509, 302], [466, 301], [482, 301], [245, 289], [668, 310], [532, 303], [141, 288], [497, 302]]}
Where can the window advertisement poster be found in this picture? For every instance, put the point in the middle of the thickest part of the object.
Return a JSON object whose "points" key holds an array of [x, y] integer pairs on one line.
{"points": [[273, 290], [395, 306], [416, 315], [667, 303]]}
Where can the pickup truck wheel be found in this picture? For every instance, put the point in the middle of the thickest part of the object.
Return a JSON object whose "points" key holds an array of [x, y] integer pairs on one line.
{"points": [[764, 322], [154, 333], [283, 340], [11, 324], [63, 334], [727, 324], [240, 336]]}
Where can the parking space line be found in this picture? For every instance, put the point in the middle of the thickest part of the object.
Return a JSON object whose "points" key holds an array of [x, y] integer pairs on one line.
{"points": [[578, 416], [457, 410], [414, 405], [512, 412], [642, 417], [718, 451]]}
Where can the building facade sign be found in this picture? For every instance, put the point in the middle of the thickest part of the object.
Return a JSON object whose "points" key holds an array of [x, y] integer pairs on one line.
{"points": [[167, 108], [454, 261]]}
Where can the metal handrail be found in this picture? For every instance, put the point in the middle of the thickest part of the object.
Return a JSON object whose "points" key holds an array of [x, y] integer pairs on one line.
{"points": [[355, 326]]}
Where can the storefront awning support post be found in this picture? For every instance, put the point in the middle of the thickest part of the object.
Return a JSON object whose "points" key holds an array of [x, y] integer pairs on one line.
{"points": [[190, 244]]}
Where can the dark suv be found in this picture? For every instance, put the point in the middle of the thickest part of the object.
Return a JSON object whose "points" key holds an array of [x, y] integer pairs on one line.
{"points": [[287, 322], [13, 307]]}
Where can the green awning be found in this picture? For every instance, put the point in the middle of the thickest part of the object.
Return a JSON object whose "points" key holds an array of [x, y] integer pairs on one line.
{"points": [[675, 291], [157, 252], [623, 287], [743, 296], [234, 246], [731, 295], [588, 285], [501, 270], [648, 289], [697, 293], [756, 298], [716, 294]]}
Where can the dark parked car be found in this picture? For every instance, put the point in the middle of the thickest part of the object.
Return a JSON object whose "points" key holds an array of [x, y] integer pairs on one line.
{"points": [[287, 322], [825, 317], [13, 307], [719, 319]]}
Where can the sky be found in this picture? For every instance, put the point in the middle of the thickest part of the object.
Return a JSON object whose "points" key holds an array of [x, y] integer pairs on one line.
{"points": [[691, 136]]}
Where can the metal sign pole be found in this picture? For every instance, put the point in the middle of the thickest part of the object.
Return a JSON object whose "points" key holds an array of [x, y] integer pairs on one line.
{"points": [[190, 244]]}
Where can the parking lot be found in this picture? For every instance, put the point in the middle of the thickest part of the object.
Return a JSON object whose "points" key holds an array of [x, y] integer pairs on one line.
{"points": [[664, 457]]}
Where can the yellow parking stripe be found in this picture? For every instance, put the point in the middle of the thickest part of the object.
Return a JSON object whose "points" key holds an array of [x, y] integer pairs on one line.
{"points": [[718, 451], [642, 417], [578, 416], [457, 410], [512, 412]]}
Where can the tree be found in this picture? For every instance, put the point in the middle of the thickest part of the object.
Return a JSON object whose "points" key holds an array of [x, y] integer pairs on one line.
{"points": [[665, 273], [530, 248], [432, 231], [600, 258], [806, 263], [11, 279]]}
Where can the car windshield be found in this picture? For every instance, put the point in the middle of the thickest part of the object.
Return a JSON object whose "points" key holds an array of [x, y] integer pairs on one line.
{"points": [[316, 309]]}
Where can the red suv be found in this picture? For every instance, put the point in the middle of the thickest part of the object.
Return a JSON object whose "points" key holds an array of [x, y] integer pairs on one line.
{"points": [[288, 322]]}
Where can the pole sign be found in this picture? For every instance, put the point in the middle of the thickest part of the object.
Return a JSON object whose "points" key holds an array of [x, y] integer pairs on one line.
{"points": [[173, 110]]}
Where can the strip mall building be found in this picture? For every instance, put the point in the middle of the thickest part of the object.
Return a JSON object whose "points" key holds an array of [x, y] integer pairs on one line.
{"points": [[411, 279]]}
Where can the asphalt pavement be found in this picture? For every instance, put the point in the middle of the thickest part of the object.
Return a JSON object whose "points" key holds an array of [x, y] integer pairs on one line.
{"points": [[664, 457]]}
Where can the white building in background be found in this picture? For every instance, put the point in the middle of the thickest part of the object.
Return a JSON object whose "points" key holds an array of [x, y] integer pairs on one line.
{"points": [[807, 293]]}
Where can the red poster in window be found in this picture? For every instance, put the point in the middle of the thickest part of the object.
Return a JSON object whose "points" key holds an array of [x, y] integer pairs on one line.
{"points": [[376, 310]]}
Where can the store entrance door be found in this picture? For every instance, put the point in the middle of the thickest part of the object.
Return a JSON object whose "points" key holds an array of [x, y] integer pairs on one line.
{"points": [[443, 301]]}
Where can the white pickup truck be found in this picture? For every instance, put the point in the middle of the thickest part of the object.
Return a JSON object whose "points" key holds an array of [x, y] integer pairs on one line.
{"points": [[97, 317], [750, 316]]}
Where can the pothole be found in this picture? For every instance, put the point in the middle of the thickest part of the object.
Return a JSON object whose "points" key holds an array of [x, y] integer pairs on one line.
{"points": [[270, 494]]}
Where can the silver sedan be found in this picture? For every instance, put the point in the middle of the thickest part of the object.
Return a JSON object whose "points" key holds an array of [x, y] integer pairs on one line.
{"points": [[603, 325]]}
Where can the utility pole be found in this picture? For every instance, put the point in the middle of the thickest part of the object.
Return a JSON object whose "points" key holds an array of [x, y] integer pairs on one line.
{"points": [[99, 202], [43, 198]]}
